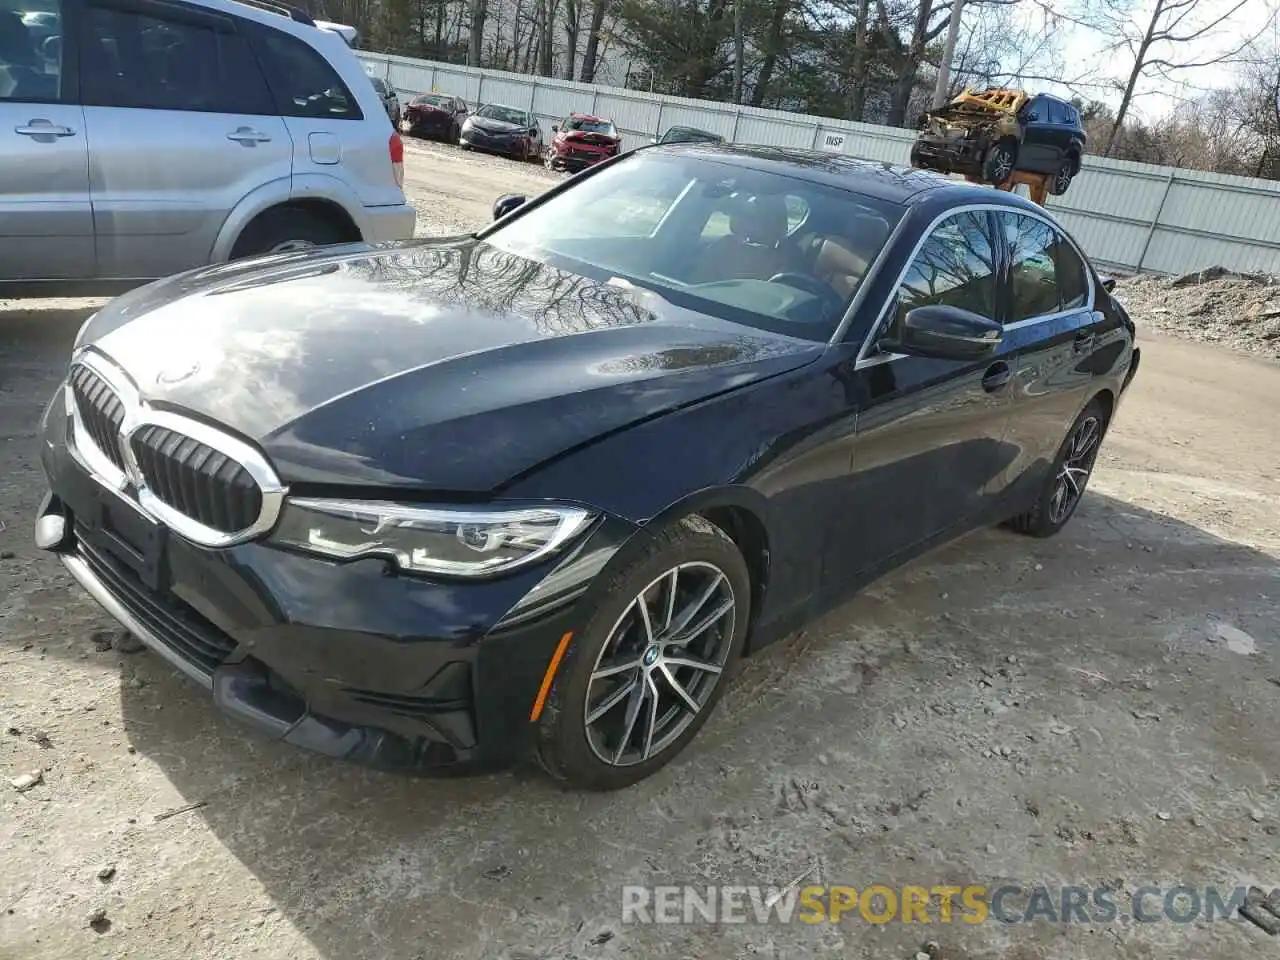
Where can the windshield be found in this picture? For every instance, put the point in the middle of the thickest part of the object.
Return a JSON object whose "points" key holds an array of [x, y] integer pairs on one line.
{"points": [[505, 114], [428, 100], [591, 126], [688, 134], [767, 249]]}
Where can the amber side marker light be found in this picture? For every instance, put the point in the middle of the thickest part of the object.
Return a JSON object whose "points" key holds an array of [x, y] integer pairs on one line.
{"points": [[547, 678]]}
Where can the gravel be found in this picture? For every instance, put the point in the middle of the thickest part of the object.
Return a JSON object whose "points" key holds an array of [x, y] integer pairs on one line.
{"points": [[1240, 311]]}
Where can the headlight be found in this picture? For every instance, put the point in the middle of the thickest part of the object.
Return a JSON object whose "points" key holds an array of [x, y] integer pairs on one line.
{"points": [[429, 540]]}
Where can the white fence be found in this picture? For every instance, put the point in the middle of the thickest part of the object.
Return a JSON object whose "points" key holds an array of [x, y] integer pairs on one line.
{"points": [[1134, 217]]}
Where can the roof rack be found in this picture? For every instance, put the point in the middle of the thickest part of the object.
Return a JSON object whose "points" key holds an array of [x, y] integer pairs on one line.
{"points": [[293, 13]]}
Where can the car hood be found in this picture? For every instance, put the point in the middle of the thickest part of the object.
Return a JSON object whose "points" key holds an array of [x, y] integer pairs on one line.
{"points": [[443, 365], [494, 126]]}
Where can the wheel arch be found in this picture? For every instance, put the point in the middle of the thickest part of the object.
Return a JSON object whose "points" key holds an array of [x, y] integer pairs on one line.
{"points": [[1108, 400], [743, 515], [274, 196]]}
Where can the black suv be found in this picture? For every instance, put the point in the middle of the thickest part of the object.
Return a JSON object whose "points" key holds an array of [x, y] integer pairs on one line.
{"points": [[1044, 136]]}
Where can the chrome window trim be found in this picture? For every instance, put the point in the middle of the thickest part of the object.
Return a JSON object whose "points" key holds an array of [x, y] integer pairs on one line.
{"points": [[864, 360], [137, 414], [868, 280]]}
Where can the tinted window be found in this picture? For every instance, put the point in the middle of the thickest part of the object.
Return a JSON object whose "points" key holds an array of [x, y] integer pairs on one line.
{"points": [[751, 246], [1073, 282], [303, 83], [1033, 279], [30, 50], [1058, 112], [163, 61], [955, 267]]}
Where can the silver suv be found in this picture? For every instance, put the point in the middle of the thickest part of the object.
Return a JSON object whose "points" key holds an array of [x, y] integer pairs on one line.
{"points": [[140, 138]]}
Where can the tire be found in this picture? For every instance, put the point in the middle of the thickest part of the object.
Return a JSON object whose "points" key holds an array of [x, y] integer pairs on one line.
{"points": [[1062, 179], [607, 755], [999, 162], [283, 229], [1048, 515]]}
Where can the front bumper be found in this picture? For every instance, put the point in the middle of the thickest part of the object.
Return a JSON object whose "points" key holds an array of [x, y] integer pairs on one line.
{"points": [[508, 146], [948, 154], [346, 660], [395, 222], [575, 162]]}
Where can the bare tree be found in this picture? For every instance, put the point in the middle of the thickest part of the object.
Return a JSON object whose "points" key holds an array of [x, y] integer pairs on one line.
{"points": [[475, 50], [590, 54], [572, 28], [1169, 41]]}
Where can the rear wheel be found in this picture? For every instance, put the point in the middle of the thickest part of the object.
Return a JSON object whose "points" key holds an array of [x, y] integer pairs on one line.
{"points": [[644, 675], [284, 230], [998, 164], [1062, 179], [1065, 485]]}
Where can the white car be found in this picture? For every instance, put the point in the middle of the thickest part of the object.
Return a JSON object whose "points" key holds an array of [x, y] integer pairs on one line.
{"points": [[141, 138]]}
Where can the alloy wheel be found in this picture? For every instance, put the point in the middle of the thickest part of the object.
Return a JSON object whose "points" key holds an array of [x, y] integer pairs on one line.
{"points": [[1003, 165], [1077, 465], [661, 663]]}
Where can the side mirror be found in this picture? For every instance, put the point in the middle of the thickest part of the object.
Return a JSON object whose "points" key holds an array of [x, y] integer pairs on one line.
{"points": [[1108, 283], [506, 203], [944, 333], [555, 128]]}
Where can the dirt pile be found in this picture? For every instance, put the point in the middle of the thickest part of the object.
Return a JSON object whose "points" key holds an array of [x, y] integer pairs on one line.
{"points": [[1239, 310]]}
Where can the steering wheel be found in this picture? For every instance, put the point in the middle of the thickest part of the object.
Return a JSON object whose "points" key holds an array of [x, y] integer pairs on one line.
{"points": [[810, 285]]}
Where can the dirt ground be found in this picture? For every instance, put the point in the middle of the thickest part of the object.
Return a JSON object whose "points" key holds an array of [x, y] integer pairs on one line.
{"points": [[1099, 709]]}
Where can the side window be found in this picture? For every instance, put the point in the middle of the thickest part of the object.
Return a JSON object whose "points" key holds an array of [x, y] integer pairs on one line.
{"points": [[1073, 280], [1033, 280], [1058, 112], [303, 83], [955, 267], [30, 52], [163, 61]]}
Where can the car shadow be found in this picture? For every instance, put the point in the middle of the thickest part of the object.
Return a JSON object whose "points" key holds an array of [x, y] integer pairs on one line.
{"points": [[368, 864]]}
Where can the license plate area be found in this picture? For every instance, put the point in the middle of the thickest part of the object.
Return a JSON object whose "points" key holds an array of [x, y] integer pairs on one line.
{"points": [[132, 538]]}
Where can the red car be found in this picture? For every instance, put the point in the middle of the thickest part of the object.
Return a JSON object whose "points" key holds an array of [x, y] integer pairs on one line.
{"points": [[581, 141], [436, 115]]}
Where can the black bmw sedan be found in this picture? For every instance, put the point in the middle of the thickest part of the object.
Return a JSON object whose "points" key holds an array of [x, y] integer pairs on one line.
{"points": [[534, 492]]}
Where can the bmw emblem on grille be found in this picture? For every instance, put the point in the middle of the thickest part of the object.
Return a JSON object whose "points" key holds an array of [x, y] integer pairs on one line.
{"points": [[206, 485]]}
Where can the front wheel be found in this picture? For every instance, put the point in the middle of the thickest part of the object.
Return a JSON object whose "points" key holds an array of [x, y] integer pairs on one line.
{"points": [[997, 165], [1065, 485], [643, 676]]}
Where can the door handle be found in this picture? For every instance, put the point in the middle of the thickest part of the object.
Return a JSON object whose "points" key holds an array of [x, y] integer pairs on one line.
{"points": [[997, 375], [248, 135], [1084, 342], [44, 128]]}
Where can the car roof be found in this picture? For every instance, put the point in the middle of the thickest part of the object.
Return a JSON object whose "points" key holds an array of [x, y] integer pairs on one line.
{"points": [[888, 182], [590, 117]]}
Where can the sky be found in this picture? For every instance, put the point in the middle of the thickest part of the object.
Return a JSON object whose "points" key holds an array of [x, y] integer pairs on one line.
{"points": [[1085, 53]]}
